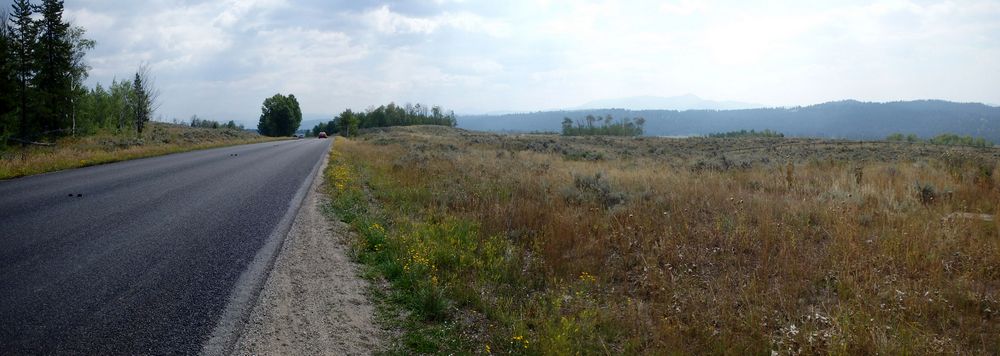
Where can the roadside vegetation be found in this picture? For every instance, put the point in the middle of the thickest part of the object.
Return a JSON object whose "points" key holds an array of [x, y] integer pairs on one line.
{"points": [[49, 120], [501, 244], [942, 139], [106, 147], [42, 73], [212, 124], [607, 126]]}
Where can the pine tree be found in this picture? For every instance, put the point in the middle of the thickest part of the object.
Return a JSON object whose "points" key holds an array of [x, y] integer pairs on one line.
{"points": [[8, 82], [143, 97], [23, 35], [141, 100], [54, 55]]}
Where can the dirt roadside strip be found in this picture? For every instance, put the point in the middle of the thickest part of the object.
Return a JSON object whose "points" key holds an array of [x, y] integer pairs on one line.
{"points": [[313, 302]]}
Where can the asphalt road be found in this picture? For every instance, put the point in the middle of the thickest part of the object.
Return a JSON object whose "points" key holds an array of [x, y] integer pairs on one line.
{"points": [[146, 258]]}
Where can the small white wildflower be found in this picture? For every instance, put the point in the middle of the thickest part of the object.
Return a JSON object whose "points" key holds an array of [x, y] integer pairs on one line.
{"points": [[792, 330]]}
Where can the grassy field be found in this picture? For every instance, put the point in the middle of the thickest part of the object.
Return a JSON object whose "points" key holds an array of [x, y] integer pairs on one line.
{"points": [[158, 139], [542, 244]]}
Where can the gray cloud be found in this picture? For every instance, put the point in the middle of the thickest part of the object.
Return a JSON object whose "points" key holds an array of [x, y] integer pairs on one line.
{"points": [[219, 59]]}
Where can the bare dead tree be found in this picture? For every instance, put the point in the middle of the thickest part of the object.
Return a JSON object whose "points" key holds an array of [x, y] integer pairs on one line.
{"points": [[146, 96]]}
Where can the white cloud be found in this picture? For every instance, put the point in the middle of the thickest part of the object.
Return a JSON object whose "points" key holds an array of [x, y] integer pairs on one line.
{"points": [[305, 48], [90, 20], [171, 37], [235, 11], [384, 20], [477, 65], [223, 56], [682, 7]]}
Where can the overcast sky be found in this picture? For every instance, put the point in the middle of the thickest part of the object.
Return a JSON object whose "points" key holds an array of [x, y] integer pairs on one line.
{"points": [[220, 59]]}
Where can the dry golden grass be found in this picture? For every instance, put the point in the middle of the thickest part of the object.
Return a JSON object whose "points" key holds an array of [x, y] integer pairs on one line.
{"points": [[703, 245], [159, 139]]}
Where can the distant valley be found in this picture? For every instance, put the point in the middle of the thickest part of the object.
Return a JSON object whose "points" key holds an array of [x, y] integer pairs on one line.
{"points": [[841, 119]]}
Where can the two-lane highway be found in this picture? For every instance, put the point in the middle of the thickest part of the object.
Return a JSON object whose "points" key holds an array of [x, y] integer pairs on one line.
{"points": [[140, 257]]}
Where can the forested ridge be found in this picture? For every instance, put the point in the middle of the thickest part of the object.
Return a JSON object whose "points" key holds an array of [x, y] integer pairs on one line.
{"points": [[602, 126], [842, 119]]}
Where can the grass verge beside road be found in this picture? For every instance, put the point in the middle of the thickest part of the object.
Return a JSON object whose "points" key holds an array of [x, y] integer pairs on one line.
{"points": [[454, 288], [159, 139], [542, 244]]}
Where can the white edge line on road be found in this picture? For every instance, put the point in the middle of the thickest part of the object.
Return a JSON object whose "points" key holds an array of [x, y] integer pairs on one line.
{"points": [[250, 282]]}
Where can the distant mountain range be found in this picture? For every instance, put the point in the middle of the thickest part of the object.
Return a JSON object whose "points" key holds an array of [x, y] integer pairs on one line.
{"points": [[681, 103], [841, 119]]}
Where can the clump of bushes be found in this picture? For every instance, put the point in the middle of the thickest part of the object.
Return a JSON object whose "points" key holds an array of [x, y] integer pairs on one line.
{"points": [[212, 124], [574, 155], [926, 193], [593, 189]]}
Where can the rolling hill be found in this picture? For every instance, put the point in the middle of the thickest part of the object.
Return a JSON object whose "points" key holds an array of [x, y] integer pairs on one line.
{"points": [[841, 119], [682, 102]]}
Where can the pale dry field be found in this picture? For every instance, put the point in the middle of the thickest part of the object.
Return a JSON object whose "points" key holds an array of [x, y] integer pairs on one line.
{"points": [[697, 245]]}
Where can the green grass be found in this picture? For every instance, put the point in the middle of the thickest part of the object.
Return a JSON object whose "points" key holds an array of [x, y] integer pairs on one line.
{"points": [[412, 293]]}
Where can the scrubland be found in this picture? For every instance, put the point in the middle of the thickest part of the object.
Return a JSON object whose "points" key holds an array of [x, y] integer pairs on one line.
{"points": [[543, 244], [158, 139]]}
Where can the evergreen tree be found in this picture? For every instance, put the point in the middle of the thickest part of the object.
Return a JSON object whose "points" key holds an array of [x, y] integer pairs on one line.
{"points": [[54, 57], [23, 34], [8, 82], [42, 74], [145, 97], [141, 100]]}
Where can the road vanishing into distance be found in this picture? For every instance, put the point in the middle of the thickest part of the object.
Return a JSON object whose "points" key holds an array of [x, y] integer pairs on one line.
{"points": [[144, 256]]}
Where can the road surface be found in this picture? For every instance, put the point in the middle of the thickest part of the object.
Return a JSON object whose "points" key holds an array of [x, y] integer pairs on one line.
{"points": [[143, 256]]}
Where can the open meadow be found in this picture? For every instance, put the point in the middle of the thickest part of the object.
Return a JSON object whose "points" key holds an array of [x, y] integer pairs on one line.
{"points": [[558, 245]]}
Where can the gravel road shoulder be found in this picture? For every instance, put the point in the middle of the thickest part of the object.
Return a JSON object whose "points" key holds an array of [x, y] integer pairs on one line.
{"points": [[313, 302]]}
